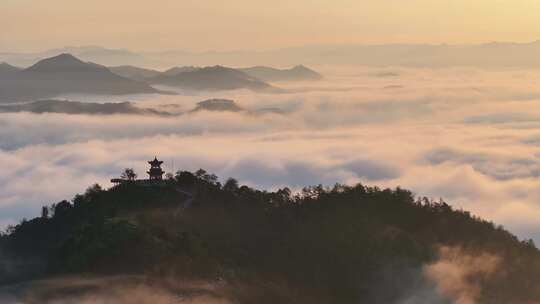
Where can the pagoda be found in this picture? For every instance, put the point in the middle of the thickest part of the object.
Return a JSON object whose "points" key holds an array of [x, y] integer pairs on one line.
{"points": [[155, 172]]}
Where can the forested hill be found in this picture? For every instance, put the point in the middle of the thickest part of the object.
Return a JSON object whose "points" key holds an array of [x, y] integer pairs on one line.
{"points": [[345, 244]]}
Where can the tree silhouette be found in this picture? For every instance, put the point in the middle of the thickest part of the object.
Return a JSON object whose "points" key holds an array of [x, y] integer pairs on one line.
{"points": [[128, 174], [231, 185], [44, 212]]}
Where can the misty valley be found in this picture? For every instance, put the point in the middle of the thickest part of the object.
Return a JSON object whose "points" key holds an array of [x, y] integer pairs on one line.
{"points": [[393, 174]]}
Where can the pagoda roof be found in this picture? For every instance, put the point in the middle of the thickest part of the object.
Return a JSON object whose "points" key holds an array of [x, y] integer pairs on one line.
{"points": [[155, 162]]}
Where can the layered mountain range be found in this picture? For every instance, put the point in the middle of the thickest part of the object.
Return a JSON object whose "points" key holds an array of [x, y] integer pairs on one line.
{"points": [[65, 74], [255, 74], [485, 55]]}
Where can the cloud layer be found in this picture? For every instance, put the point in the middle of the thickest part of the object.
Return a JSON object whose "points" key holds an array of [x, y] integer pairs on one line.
{"points": [[469, 136]]}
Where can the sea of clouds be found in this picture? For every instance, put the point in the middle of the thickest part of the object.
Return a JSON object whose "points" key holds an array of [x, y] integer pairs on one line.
{"points": [[467, 135]]}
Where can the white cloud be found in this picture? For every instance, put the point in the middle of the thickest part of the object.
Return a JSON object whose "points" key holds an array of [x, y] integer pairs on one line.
{"points": [[438, 132]]}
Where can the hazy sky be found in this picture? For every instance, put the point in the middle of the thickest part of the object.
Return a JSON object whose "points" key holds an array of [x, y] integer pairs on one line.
{"points": [[29, 25]]}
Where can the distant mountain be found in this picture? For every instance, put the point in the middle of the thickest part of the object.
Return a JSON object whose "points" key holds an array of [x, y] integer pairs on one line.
{"points": [[128, 108], [219, 105], [73, 107], [296, 73], [486, 55], [63, 63], [217, 74], [214, 78], [7, 69], [108, 56], [227, 105], [134, 73], [65, 74], [101, 55], [177, 70]]}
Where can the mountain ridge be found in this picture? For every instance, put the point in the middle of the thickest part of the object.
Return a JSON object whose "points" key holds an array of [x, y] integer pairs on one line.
{"points": [[134, 72], [213, 78], [65, 74], [129, 108], [74, 107], [296, 73], [6, 68], [490, 54], [260, 73]]}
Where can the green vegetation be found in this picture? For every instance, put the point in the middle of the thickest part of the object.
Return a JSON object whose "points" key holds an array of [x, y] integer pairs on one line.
{"points": [[345, 244]]}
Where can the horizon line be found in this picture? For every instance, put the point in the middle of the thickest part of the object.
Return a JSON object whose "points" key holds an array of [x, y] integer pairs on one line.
{"points": [[193, 51]]}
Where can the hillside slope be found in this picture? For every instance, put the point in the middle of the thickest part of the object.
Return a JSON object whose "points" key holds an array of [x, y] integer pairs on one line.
{"points": [[7, 69], [215, 78], [133, 72], [325, 245], [65, 74], [296, 73]]}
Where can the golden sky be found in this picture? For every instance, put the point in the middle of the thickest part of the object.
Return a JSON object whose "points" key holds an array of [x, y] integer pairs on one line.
{"points": [[29, 25]]}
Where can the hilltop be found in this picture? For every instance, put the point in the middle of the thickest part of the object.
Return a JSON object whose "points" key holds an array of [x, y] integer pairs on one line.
{"points": [[65, 74], [219, 105], [134, 73], [296, 73], [214, 78], [340, 244], [245, 77], [7, 69]]}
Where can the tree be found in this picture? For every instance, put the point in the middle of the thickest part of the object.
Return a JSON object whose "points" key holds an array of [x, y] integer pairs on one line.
{"points": [[185, 178], [200, 173], [205, 176], [94, 189], [128, 174], [44, 212], [231, 185], [62, 209]]}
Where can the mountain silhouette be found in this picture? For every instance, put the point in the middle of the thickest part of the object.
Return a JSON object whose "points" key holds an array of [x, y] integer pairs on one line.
{"points": [[488, 55], [142, 74], [65, 74], [7, 69], [228, 105], [296, 73], [62, 63], [219, 105], [129, 108], [213, 79], [261, 73], [177, 70], [134, 73], [74, 107]]}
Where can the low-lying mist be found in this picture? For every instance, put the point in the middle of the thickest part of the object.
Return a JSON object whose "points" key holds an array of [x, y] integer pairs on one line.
{"points": [[114, 290], [457, 276]]}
